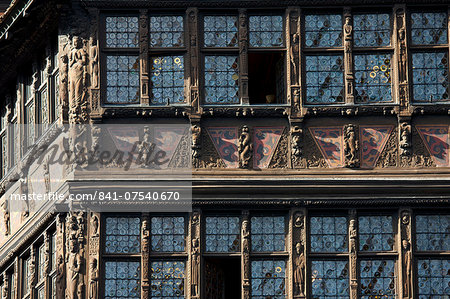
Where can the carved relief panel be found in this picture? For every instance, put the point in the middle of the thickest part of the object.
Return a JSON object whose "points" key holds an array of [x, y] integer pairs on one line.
{"points": [[298, 254]]}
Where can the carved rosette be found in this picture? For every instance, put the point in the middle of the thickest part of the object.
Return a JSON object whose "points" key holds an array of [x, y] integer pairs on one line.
{"points": [[145, 248], [351, 146], [405, 232], [245, 147], [195, 261], [296, 145], [298, 253], [245, 252], [196, 132], [352, 232]]}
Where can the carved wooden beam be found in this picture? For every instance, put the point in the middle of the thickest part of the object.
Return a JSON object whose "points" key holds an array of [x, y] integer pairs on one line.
{"points": [[243, 56]]}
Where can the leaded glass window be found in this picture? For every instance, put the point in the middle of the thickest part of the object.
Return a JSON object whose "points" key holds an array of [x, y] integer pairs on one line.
{"points": [[123, 235], [122, 31], [371, 30], [328, 234], [222, 234], [122, 79], [323, 31], [430, 76], [167, 75], [330, 279], [166, 31], [268, 233], [373, 78], [428, 28], [220, 31], [433, 278], [167, 279], [221, 79], [268, 279], [377, 279], [324, 79], [433, 232], [376, 233], [122, 280], [167, 234], [266, 31]]}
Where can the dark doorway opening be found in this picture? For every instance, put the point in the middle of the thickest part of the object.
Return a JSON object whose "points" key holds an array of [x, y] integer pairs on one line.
{"points": [[266, 78], [223, 278]]}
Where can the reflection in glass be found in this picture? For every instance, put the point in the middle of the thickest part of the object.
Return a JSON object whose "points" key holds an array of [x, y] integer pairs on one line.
{"points": [[428, 28], [377, 279], [221, 80], [222, 234], [167, 76], [324, 79], [266, 31], [371, 30], [433, 232], [329, 234], [268, 233], [322, 31], [123, 235], [430, 76], [330, 279], [376, 233], [220, 31], [373, 78], [167, 234], [122, 74], [122, 280], [122, 32], [167, 279], [268, 279], [166, 31]]}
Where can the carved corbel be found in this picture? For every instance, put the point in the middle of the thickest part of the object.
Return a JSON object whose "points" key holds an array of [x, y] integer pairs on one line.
{"points": [[405, 232], [298, 254], [351, 146], [6, 217], [196, 132], [145, 248], [245, 251], [245, 147], [348, 57], [195, 260], [352, 232]]}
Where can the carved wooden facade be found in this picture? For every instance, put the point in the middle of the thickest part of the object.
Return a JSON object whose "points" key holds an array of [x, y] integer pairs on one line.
{"points": [[355, 163]]}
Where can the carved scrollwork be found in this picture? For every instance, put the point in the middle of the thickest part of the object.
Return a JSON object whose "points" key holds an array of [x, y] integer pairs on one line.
{"points": [[312, 157], [351, 146], [353, 254], [420, 157], [245, 147], [389, 155]]}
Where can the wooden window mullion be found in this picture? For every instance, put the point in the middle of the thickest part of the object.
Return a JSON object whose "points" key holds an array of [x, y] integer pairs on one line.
{"points": [[349, 76], [293, 64], [144, 56], [243, 57]]}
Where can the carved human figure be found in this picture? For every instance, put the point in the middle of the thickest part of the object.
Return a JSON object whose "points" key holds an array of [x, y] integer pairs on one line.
{"points": [[77, 66], [299, 275], [352, 231], [93, 284], [350, 146], [46, 169], [245, 147], [94, 225], [406, 269], [145, 148], [145, 236], [245, 236], [74, 264], [93, 59], [60, 277], [196, 131], [63, 77], [294, 57], [6, 217], [195, 266], [296, 133], [405, 139], [298, 222]]}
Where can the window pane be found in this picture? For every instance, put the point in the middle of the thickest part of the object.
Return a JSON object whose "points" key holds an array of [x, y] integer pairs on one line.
{"points": [[222, 234], [122, 79], [41, 265], [122, 235], [373, 78], [122, 280], [430, 76], [433, 232], [376, 233], [122, 32], [329, 234], [323, 31], [220, 31], [268, 233], [167, 234], [372, 30], [428, 28], [330, 279], [167, 279], [266, 31], [166, 31], [167, 75], [377, 279], [268, 279], [434, 278], [324, 79], [221, 80]]}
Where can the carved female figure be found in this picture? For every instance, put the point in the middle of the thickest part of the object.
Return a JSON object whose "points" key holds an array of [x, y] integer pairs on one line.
{"points": [[94, 62], [406, 269], [195, 266], [77, 62], [299, 277]]}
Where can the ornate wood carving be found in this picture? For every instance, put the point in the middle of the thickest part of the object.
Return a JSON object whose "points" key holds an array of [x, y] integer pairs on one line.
{"points": [[402, 58], [143, 56], [245, 254], [63, 57], [145, 248], [296, 146], [196, 131], [243, 56], [405, 138], [5, 286], [298, 253], [293, 69], [353, 248], [94, 60], [60, 260], [312, 157], [75, 285], [195, 257], [77, 79], [6, 217], [420, 157], [351, 146], [245, 147], [209, 156], [389, 155], [94, 255], [32, 268], [280, 156], [406, 255], [348, 57], [194, 49]]}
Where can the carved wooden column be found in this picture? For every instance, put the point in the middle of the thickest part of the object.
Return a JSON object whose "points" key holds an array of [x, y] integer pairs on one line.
{"points": [[94, 255], [293, 64], [94, 63], [405, 266], [245, 255], [15, 287], [195, 261], [4, 294], [296, 145], [348, 57], [32, 268], [75, 257], [63, 48], [353, 248], [298, 286], [145, 259], [47, 265], [143, 56], [60, 256], [351, 146], [193, 50], [196, 146], [243, 56]]}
